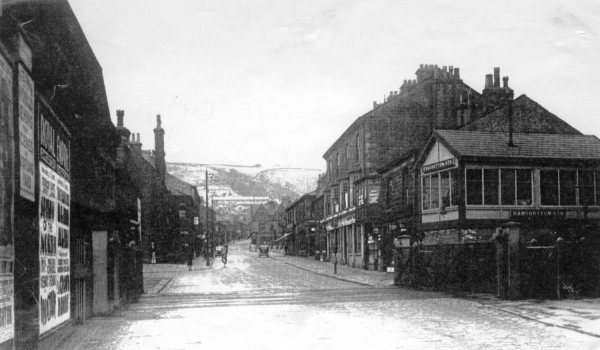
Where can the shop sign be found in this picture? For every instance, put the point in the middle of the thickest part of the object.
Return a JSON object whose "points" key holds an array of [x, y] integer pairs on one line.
{"points": [[54, 222], [26, 134], [448, 163], [373, 194], [7, 329], [538, 213], [54, 144]]}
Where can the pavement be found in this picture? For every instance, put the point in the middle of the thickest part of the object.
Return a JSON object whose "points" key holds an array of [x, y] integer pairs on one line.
{"points": [[580, 315]]}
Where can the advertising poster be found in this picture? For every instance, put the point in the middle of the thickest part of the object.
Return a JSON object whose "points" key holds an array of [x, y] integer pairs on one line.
{"points": [[26, 135], [54, 220], [7, 328]]}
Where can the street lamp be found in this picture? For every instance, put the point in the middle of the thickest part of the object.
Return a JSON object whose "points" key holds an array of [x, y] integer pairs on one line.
{"points": [[207, 233]]}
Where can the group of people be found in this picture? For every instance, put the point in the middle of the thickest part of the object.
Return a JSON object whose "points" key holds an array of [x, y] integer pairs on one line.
{"points": [[190, 255]]}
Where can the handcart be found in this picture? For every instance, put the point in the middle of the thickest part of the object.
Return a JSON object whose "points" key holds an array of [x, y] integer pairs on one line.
{"points": [[263, 250]]}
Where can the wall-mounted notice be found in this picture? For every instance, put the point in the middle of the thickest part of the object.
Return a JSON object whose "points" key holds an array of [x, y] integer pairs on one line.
{"points": [[54, 214], [26, 134], [7, 329]]}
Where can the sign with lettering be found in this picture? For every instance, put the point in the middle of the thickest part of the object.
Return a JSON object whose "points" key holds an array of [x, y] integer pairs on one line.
{"points": [[53, 142], [537, 213], [7, 328], [26, 134], [448, 163], [54, 228]]}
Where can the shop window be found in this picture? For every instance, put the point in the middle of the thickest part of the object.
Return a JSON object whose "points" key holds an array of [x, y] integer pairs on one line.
{"points": [[586, 188], [474, 186]]}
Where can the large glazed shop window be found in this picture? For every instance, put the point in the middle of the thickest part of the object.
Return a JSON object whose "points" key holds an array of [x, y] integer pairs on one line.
{"points": [[439, 190], [498, 186], [559, 187]]}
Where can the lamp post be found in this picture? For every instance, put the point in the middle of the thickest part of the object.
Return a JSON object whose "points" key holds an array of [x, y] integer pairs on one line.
{"points": [[196, 224], [207, 233]]}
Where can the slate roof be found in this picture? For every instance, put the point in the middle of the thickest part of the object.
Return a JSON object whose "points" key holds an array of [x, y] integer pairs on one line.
{"points": [[177, 186], [547, 146]]}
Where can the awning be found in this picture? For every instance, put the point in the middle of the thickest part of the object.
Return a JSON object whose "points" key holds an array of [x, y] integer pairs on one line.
{"points": [[282, 237]]}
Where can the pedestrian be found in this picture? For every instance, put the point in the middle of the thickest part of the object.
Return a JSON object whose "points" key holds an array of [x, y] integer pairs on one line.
{"points": [[153, 250], [190, 257], [224, 251], [285, 249]]}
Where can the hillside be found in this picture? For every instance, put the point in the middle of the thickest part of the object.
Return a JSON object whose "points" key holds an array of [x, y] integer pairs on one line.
{"points": [[249, 180]]}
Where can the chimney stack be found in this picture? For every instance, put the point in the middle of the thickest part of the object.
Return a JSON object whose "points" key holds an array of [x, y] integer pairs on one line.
{"points": [[497, 77], [457, 73], [488, 81], [120, 115], [159, 148], [505, 82]]}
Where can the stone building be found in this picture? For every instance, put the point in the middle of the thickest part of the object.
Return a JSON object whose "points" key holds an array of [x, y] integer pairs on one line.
{"points": [[70, 198]]}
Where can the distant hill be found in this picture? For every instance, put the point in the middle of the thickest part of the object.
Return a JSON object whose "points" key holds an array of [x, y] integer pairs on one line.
{"points": [[250, 181]]}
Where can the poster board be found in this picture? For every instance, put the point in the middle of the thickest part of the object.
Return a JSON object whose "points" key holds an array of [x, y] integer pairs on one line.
{"points": [[54, 221], [7, 328], [26, 134]]}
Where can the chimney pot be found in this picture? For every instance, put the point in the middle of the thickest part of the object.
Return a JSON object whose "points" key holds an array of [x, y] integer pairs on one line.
{"points": [[374, 104], [457, 73], [497, 77], [421, 65], [138, 137], [488, 81], [444, 68], [505, 82], [132, 137], [451, 70]]}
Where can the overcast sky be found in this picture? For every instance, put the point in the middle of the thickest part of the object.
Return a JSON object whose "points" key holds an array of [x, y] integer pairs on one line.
{"points": [[276, 82]]}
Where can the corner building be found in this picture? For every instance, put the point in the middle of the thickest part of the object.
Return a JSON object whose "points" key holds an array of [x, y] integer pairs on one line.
{"points": [[438, 98]]}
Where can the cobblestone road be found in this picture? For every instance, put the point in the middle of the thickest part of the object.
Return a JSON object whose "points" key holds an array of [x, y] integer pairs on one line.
{"points": [[260, 303]]}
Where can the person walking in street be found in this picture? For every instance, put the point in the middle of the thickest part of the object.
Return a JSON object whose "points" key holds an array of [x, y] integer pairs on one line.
{"points": [[190, 258], [224, 251]]}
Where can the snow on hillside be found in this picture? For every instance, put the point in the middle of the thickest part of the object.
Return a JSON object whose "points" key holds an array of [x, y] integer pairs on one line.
{"points": [[248, 180]]}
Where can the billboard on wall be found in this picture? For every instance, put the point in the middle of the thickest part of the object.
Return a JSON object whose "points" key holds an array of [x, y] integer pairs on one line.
{"points": [[54, 221], [26, 134], [7, 328]]}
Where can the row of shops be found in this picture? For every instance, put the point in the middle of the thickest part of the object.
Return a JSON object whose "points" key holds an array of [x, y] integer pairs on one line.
{"points": [[486, 162]]}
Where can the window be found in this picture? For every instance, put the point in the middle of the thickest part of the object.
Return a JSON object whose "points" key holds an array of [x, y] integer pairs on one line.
{"points": [[357, 148], [498, 186], [549, 187], [426, 192], [586, 187], [490, 186], [345, 199], [435, 194], [439, 190], [336, 200], [474, 186], [568, 187]]}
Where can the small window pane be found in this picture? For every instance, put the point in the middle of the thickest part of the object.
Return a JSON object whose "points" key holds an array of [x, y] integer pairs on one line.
{"points": [[445, 188], [454, 187], [490, 180], [524, 195], [568, 187], [474, 186], [508, 186], [435, 191], [586, 187], [426, 191], [549, 187]]}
